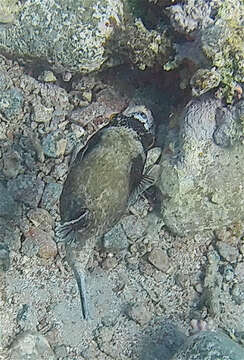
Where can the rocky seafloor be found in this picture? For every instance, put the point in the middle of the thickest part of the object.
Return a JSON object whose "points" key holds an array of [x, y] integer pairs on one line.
{"points": [[170, 268]]}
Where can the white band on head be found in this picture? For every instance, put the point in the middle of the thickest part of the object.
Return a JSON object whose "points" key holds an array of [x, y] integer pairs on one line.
{"points": [[142, 114]]}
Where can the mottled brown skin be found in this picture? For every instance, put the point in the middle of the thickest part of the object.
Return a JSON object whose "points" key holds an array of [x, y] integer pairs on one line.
{"points": [[101, 180]]}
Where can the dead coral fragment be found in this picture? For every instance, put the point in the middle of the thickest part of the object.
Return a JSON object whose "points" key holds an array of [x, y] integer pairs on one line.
{"points": [[147, 48], [203, 80], [8, 11]]}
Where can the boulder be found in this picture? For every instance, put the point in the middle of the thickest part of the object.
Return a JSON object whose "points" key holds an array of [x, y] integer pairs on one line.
{"points": [[66, 34], [202, 180], [210, 345]]}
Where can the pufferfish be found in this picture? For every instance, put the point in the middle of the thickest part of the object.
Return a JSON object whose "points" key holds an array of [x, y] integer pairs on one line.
{"points": [[107, 174]]}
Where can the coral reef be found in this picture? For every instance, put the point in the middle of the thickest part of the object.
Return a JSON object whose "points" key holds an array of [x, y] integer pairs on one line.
{"points": [[223, 44], [214, 40]]}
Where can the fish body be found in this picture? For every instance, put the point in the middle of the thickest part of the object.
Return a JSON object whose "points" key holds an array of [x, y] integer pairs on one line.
{"points": [[106, 173], [103, 177]]}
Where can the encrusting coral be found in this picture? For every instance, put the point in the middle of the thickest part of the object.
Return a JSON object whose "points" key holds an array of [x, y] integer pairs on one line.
{"points": [[8, 10]]}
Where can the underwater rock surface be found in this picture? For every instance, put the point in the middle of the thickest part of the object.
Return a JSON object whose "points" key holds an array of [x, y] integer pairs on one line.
{"points": [[210, 345], [202, 180]]}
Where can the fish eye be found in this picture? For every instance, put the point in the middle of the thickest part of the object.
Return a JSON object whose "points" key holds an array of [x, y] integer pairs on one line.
{"points": [[143, 118], [140, 116]]}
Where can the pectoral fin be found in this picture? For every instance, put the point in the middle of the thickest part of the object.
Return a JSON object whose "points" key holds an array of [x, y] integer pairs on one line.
{"points": [[148, 179], [68, 230]]}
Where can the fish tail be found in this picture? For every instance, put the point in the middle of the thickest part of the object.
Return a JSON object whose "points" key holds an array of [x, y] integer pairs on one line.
{"points": [[80, 279], [81, 283]]}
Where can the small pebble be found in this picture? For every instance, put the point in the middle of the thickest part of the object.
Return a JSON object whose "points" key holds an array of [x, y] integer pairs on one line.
{"points": [[238, 293], [132, 260], [109, 263], [11, 164], [140, 208], [239, 271], [87, 95], [213, 257], [181, 279], [146, 269], [60, 170], [198, 325], [115, 239], [60, 351], [27, 189], [228, 273], [223, 234], [51, 195], [140, 314], [67, 76], [72, 143], [133, 227], [31, 345], [48, 76], [4, 257], [159, 258], [54, 144], [39, 242], [40, 218], [227, 251], [11, 102], [105, 335], [41, 113], [77, 130]]}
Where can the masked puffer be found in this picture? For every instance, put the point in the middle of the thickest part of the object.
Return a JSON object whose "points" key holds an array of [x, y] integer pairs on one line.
{"points": [[107, 173]]}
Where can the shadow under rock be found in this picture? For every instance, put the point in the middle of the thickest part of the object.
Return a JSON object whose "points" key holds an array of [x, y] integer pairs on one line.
{"points": [[161, 342]]}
